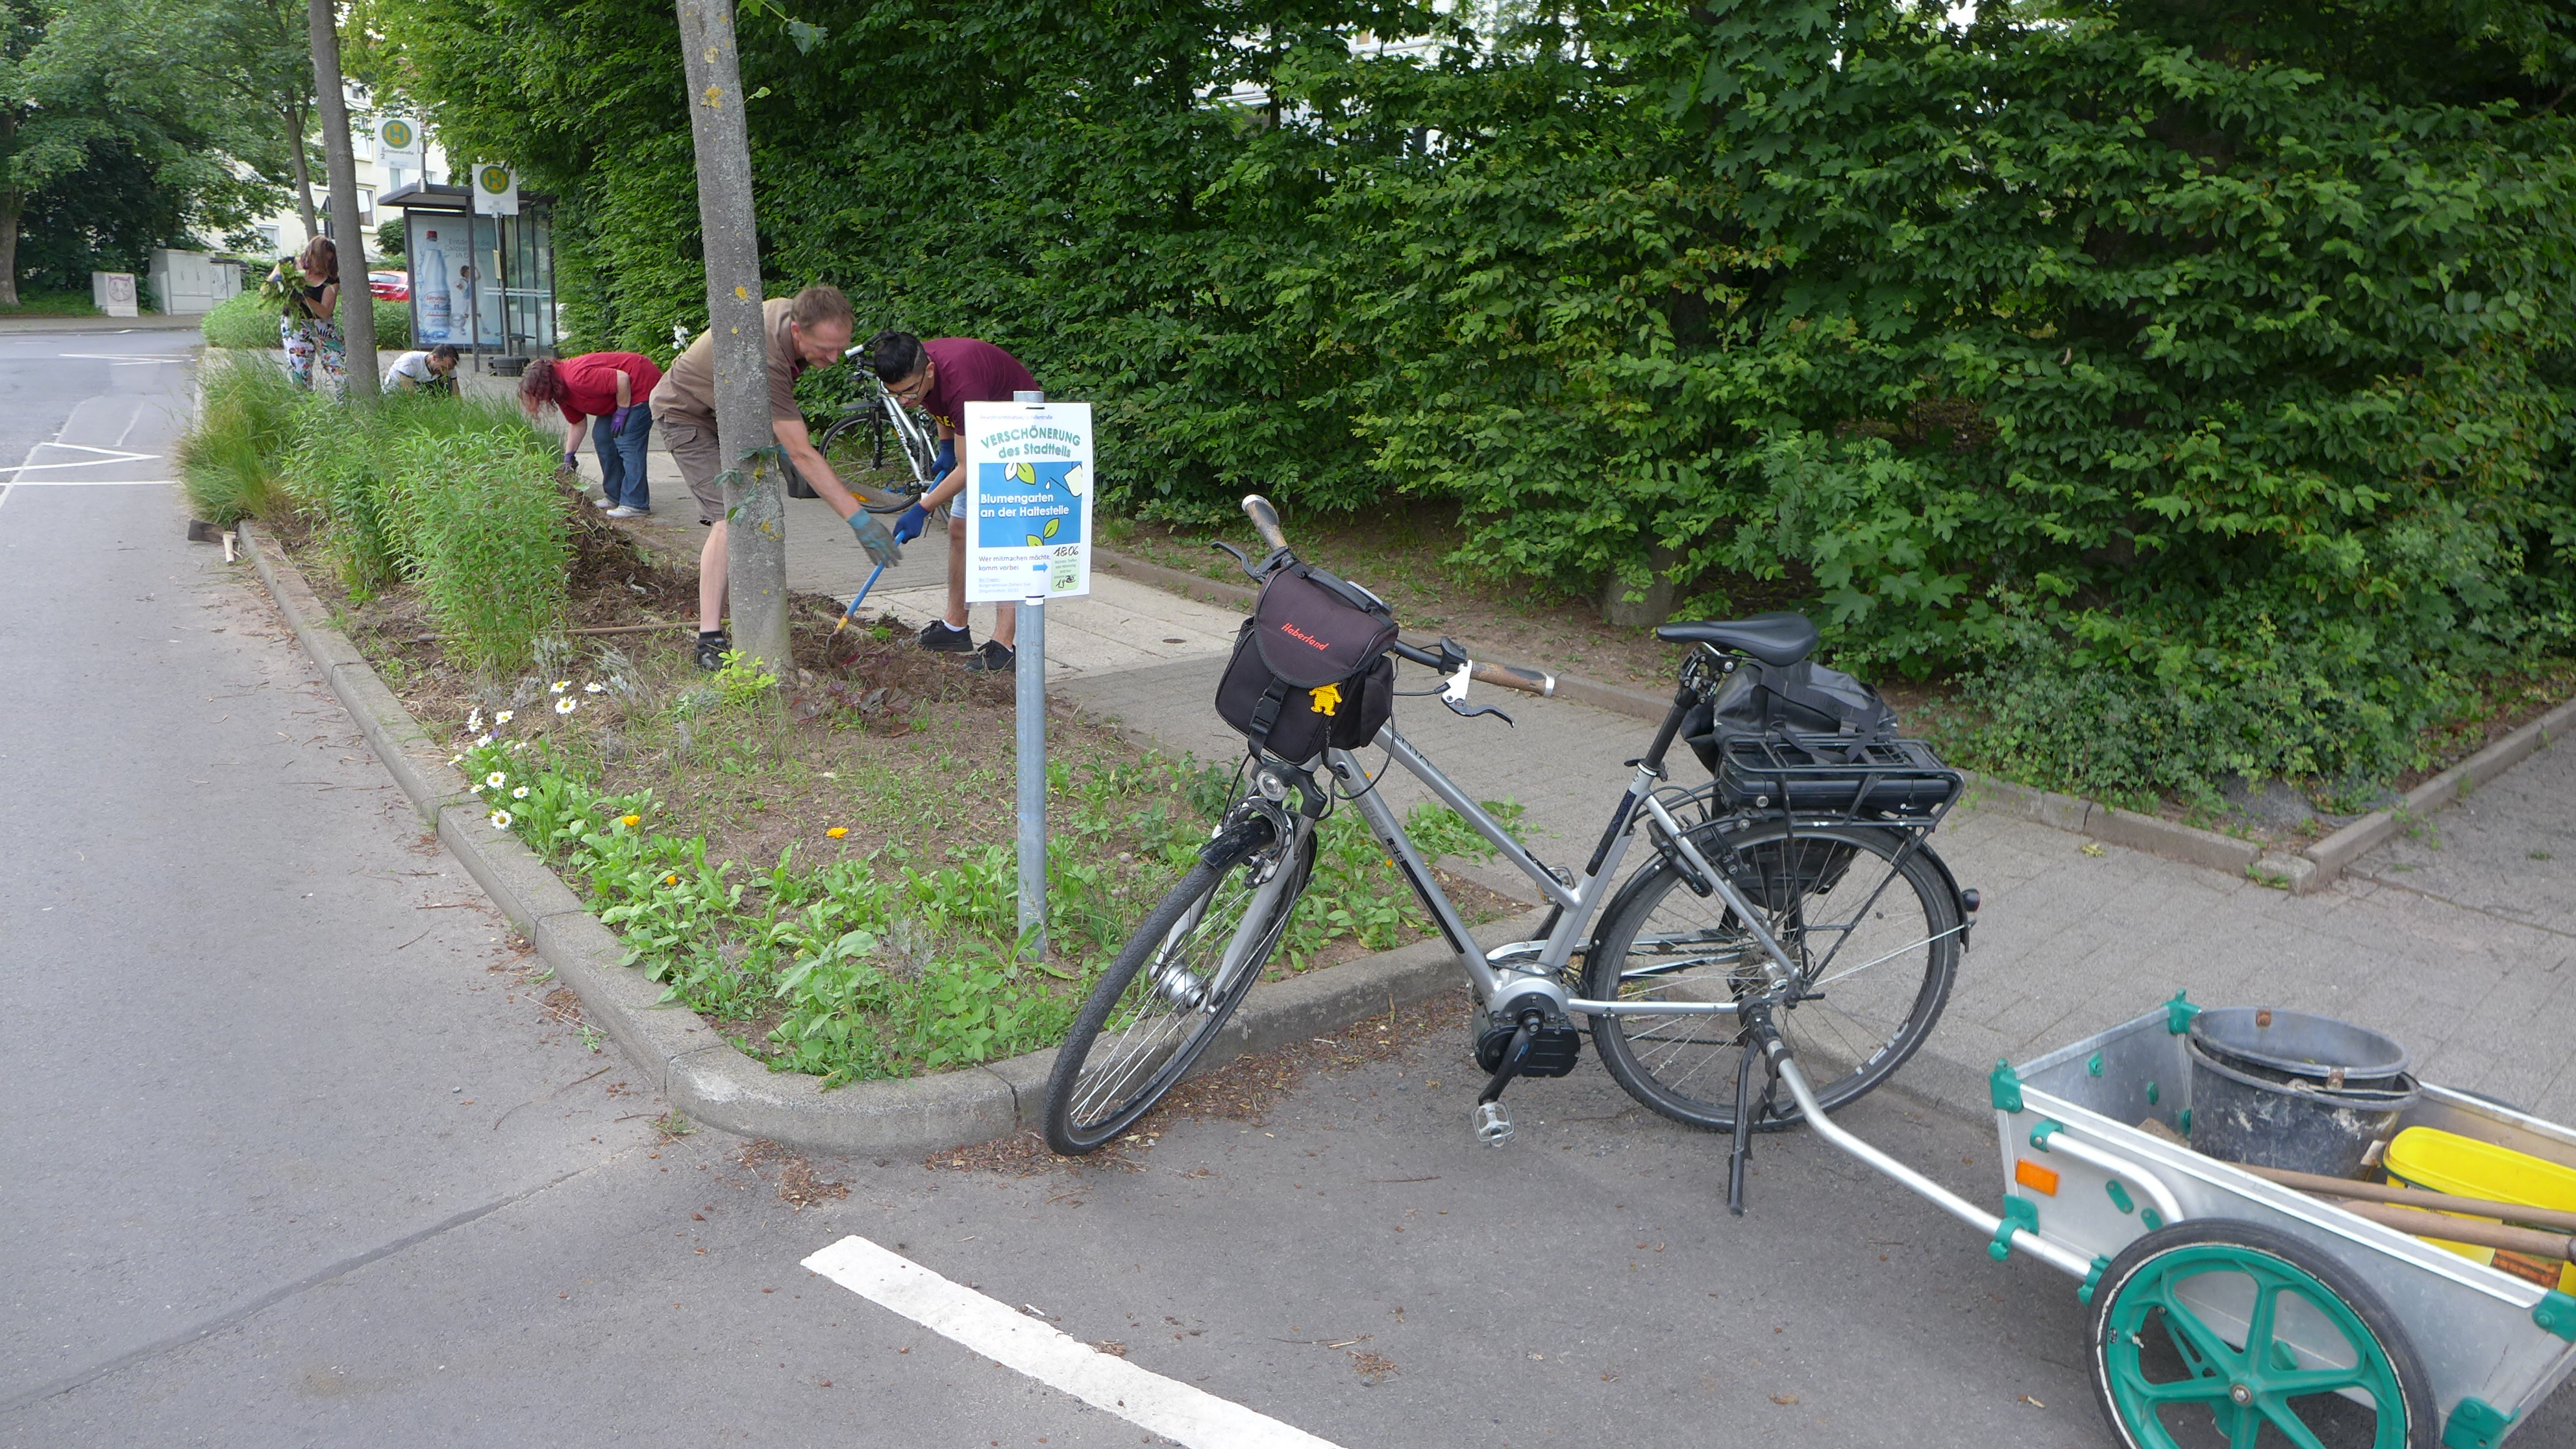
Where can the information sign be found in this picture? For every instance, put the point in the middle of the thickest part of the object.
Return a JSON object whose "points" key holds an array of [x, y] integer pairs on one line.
{"points": [[1027, 501]]}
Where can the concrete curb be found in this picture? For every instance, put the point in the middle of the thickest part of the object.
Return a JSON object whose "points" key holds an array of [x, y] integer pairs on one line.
{"points": [[2146, 833], [689, 1061], [2329, 857]]}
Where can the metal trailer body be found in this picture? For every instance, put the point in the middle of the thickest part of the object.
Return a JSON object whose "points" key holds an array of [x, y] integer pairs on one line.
{"points": [[2071, 1116]]}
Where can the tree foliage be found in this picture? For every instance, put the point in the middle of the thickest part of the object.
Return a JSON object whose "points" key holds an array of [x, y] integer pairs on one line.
{"points": [[2188, 379]]}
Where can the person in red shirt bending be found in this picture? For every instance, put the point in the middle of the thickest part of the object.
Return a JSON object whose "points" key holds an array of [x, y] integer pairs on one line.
{"points": [[612, 387], [940, 377]]}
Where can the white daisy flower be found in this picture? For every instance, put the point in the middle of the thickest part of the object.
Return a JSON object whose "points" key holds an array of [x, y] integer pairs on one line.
{"points": [[559, 686], [593, 688], [501, 819], [474, 721], [482, 740], [519, 794], [503, 717], [567, 705], [495, 780]]}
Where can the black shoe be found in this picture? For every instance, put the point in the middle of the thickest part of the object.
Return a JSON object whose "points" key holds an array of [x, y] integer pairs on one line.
{"points": [[995, 657], [941, 637], [711, 650]]}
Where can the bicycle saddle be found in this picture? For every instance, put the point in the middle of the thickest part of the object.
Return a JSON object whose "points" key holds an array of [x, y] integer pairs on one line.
{"points": [[1777, 639]]}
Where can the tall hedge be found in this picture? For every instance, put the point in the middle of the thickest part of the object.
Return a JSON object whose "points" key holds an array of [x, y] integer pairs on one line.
{"points": [[2187, 380]]}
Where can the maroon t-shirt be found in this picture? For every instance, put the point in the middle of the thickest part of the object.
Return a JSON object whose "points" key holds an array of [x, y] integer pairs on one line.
{"points": [[964, 370], [590, 382]]}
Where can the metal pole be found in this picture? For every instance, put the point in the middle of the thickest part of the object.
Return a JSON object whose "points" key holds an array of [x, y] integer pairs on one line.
{"points": [[1029, 676]]}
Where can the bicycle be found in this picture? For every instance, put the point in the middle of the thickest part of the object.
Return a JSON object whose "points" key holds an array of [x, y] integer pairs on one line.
{"points": [[856, 443], [1793, 909]]}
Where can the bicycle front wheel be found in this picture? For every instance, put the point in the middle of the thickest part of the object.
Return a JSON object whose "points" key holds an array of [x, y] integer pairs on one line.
{"points": [[1870, 920], [1170, 991], [872, 462]]}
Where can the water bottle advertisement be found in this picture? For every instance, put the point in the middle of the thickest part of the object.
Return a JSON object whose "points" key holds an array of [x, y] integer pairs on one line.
{"points": [[441, 249], [1027, 500]]}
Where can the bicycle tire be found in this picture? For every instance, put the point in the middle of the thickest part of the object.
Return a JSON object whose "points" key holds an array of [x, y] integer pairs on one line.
{"points": [[855, 448], [1156, 1031], [1872, 925]]}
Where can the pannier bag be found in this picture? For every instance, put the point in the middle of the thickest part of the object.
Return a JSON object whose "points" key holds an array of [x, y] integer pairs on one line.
{"points": [[1800, 698], [1310, 667]]}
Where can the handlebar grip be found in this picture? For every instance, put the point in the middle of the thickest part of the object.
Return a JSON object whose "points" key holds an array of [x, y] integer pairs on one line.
{"points": [[1528, 681], [1265, 520]]}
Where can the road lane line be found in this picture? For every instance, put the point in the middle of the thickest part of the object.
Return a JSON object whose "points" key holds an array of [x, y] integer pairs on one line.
{"points": [[89, 482], [1051, 1356]]}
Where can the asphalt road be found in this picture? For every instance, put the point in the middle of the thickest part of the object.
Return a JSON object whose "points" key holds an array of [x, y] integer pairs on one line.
{"points": [[299, 1155]]}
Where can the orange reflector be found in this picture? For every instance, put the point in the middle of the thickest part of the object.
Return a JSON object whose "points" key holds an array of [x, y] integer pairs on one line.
{"points": [[2035, 1177]]}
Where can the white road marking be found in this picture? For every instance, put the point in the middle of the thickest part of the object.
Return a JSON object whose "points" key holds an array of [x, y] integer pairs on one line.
{"points": [[89, 482], [1051, 1356], [112, 457], [126, 359]]}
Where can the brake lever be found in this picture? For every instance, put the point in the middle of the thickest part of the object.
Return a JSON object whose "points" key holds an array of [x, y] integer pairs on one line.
{"points": [[1463, 712], [1240, 557]]}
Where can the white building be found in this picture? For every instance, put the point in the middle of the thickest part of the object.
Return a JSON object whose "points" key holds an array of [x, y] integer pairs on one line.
{"points": [[283, 234]]}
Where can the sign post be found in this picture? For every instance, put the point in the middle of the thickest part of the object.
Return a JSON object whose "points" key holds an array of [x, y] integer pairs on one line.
{"points": [[1027, 506]]}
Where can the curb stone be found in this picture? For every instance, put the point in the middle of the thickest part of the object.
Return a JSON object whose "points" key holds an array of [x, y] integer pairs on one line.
{"points": [[2329, 857], [702, 1074]]}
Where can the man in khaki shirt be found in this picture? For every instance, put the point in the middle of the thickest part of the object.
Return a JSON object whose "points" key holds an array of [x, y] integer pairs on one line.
{"points": [[809, 330]]}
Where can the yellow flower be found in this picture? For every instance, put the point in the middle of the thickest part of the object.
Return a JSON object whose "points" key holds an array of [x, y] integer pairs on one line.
{"points": [[630, 821], [670, 880], [837, 831]]}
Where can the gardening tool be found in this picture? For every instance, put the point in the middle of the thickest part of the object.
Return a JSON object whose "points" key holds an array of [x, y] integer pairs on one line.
{"points": [[851, 612]]}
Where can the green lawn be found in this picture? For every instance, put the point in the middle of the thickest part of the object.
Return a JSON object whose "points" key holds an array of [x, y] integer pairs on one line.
{"points": [[51, 304]]}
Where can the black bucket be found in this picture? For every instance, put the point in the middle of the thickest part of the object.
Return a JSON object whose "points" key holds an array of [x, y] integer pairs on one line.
{"points": [[2285, 1045], [2292, 1122]]}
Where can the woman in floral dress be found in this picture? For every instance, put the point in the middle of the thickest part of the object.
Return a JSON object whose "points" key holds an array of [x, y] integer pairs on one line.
{"points": [[311, 335]]}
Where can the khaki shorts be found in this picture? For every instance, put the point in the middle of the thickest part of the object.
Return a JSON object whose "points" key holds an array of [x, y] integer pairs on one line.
{"points": [[693, 447]]}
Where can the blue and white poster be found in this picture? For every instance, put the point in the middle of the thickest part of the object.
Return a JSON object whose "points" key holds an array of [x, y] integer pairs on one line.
{"points": [[1027, 501]]}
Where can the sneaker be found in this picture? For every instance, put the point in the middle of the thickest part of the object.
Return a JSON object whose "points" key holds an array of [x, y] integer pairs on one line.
{"points": [[941, 637], [711, 650], [601, 503], [995, 657], [622, 511]]}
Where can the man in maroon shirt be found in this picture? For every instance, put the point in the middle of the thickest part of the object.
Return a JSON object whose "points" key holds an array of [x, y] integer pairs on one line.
{"points": [[940, 377]]}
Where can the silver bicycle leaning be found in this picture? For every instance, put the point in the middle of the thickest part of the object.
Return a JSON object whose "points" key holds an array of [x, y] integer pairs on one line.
{"points": [[858, 443], [1787, 948]]}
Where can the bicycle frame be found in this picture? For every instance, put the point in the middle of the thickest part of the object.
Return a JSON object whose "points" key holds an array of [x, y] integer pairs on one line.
{"points": [[1575, 903]]}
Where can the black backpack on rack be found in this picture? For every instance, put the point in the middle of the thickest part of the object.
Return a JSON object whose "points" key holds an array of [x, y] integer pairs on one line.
{"points": [[1310, 667]]}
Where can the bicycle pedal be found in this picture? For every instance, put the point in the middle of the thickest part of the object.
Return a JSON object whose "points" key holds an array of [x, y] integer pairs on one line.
{"points": [[1493, 1124]]}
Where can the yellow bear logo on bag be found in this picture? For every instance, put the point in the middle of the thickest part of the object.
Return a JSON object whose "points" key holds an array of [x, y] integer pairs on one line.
{"points": [[1327, 698]]}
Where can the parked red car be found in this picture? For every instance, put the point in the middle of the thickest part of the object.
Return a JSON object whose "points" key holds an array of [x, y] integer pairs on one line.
{"points": [[389, 286]]}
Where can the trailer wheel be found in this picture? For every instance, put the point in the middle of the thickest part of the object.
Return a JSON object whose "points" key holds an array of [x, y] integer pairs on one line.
{"points": [[2227, 1333]]}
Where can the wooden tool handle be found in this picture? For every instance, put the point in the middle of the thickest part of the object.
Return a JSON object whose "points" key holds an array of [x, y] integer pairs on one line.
{"points": [[2462, 1230], [2416, 1197]]}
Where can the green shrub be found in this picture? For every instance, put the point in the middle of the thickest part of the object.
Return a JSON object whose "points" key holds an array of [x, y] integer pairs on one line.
{"points": [[246, 320], [479, 524], [232, 458]]}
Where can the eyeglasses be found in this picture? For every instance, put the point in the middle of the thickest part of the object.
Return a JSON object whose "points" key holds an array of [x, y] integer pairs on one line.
{"points": [[912, 392]]}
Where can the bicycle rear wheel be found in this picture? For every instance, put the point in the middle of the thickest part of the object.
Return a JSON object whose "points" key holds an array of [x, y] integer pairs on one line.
{"points": [[1868, 916], [873, 461], [1170, 991]]}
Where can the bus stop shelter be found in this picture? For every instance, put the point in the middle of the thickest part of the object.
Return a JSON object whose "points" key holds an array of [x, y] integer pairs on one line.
{"points": [[483, 283]]}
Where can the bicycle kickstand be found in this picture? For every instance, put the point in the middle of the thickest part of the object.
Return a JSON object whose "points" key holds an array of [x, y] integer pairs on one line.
{"points": [[1493, 1119], [1756, 1048]]}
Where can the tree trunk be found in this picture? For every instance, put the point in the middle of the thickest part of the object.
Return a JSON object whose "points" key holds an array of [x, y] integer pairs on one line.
{"points": [[295, 128], [10, 204], [357, 304], [755, 505]]}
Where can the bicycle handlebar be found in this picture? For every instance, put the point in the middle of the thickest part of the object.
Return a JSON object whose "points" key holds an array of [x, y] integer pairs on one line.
{"points": [[1448, 660], [1265, 520]]}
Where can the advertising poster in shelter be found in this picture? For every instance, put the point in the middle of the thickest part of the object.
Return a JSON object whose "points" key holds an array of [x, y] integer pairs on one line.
{"points": [[452, 299], [1027, 500]]}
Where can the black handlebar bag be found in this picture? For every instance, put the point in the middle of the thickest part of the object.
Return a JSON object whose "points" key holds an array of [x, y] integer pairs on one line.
{"points": [[1310, 667]]}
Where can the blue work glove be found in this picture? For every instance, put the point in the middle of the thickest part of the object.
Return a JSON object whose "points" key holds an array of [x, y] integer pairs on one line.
{"points": [[944, 461], [873, 537], [908, 527]]}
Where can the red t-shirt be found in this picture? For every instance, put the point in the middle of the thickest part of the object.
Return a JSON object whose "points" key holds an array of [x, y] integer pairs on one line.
{"points": [[590, 382], [964, 370]]}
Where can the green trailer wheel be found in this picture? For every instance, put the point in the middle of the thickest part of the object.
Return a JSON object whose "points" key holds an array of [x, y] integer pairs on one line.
{"points": [[2194, 1328]]}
